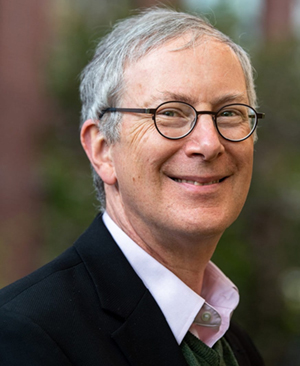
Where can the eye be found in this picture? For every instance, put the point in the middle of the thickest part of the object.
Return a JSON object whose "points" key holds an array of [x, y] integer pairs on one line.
{"points": [[170, 113], [229, 113]]}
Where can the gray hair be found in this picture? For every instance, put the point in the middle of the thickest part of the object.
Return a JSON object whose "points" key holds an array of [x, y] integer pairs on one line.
{"points": [[102, 81]]}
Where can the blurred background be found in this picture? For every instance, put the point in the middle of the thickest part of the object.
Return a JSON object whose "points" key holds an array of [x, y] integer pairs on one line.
{"points": [[46, 193]]}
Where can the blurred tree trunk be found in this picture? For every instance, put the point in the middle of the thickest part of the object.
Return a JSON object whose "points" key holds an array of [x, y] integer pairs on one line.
{"points": [[276, 19], [23, 114]]}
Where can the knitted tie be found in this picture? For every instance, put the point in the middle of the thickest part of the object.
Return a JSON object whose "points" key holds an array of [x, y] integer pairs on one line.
{"points": [[198, 353]]}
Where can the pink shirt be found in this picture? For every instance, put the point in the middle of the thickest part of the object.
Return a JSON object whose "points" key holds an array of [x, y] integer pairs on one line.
{"points": [[206, 315]]}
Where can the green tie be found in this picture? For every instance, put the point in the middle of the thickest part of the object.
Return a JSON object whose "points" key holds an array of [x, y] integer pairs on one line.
{"points": [[198, 353]]}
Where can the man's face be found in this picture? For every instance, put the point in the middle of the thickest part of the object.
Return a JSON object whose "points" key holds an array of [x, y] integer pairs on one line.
{"points": [[194, 187]]}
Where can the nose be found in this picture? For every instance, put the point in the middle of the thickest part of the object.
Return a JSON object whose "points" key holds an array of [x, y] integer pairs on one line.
{"points": [[204, 140]]}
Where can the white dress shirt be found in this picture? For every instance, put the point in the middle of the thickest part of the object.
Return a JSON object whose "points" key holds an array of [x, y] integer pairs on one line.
{"points": [[206, 315]]}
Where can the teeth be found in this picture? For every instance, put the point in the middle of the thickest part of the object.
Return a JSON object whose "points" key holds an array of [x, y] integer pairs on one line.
{"points": [[196, 183]]}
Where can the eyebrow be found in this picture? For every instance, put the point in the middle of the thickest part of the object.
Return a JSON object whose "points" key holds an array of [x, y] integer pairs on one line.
{"points": [[231, 98], [221, 100], [166, 96]]}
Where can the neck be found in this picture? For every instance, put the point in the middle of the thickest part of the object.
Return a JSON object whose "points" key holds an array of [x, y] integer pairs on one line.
{"points": [[184, 255], [187, 260]]}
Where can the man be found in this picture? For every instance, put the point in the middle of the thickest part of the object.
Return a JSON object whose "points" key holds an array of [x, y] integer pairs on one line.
{"points": [[169, 127]]}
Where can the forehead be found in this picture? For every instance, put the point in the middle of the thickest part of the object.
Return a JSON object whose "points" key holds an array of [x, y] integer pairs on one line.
{"points": [[175, 68]]}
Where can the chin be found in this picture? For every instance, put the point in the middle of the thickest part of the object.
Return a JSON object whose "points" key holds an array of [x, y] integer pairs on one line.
{"points": [[197, 230]]}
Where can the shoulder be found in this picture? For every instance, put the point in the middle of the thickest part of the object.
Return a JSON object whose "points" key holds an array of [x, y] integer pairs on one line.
{"points": [[55, 280], [55, 296], [68, 310], [243, 347], [39, 286]]}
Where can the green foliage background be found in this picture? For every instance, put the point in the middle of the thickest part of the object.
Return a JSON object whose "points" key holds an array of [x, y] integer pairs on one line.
{"points": [[260, 251]]}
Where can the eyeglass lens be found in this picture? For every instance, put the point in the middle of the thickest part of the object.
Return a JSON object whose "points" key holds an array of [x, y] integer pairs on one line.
{"points": [[176, 119]]}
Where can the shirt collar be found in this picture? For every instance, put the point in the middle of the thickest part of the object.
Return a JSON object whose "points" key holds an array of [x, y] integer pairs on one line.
{"points": [[179, 304]]}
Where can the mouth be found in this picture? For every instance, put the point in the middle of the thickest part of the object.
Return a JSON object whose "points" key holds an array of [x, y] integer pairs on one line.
{"points": [[197, 183]]}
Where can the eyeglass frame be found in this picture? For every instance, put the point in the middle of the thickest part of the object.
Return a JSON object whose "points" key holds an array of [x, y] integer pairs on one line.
{"points": [[258, 115]]}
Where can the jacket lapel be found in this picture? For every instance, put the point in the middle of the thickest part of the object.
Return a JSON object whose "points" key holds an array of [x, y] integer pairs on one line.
{"points": [[144, 336]]}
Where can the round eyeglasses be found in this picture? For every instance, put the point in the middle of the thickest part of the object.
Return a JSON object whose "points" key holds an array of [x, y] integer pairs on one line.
{"points": [[175, 120]]}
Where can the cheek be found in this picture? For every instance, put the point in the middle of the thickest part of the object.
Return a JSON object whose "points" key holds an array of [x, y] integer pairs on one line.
{"points": [[243, 153], [240, 158], [132, 167]]}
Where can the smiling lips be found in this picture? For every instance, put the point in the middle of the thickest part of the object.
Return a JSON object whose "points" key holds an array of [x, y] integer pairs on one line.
{"points": [[195, 183]]}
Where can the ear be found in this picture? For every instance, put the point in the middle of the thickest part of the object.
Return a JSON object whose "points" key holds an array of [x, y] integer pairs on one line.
{"points": [[98, 151]]}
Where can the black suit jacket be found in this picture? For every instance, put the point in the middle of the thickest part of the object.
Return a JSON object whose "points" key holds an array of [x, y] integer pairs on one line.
{"points": [[88, 307]]}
